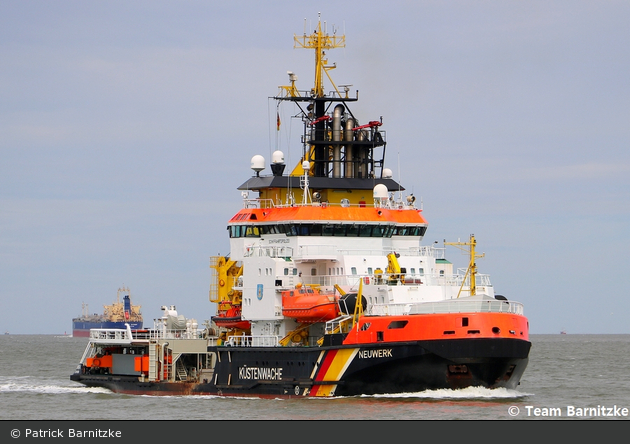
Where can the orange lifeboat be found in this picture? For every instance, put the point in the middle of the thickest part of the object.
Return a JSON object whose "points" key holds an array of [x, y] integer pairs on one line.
{"points": [[309, 305], [231, 319]]}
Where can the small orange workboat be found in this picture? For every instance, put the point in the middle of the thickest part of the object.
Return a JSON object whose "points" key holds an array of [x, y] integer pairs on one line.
{"points": [[307, 305], [231, 318]]}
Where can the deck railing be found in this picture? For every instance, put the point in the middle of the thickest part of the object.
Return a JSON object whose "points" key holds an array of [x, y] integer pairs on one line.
{"points": [[122, 336], [111, 335], [454, 306], [252, 341]]}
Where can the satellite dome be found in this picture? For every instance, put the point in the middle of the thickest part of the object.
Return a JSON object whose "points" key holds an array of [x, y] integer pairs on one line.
{"points": [[258, 163], [277, 163], [387, 173], [277, 157], [380, 191]]}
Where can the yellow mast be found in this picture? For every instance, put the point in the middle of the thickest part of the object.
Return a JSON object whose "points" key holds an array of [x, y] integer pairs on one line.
{"points": [[319, 41], [472, 265]]}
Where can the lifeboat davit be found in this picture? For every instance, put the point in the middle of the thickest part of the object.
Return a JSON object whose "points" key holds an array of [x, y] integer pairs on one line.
{"points": [[231, 319], [309, 305]]}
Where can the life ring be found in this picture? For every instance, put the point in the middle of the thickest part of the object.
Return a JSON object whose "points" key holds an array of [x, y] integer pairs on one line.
{"points": [[96, 363], [366, 280]]}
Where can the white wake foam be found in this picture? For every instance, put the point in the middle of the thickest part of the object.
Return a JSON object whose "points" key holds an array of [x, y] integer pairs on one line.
{"points": [[465, 393], [31, 385]]}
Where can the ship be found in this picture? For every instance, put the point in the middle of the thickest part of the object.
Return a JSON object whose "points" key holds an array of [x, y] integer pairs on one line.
{"points": [[328, 289], [114, 316]]}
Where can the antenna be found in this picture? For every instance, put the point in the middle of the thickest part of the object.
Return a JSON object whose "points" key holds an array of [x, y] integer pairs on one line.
{"points": [[306, 195], [399, 179], [320, 41]]}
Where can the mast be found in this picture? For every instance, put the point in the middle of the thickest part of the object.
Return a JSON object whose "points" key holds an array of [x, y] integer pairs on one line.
{"points": [[335, 144], [472, 265], [320, 41]]}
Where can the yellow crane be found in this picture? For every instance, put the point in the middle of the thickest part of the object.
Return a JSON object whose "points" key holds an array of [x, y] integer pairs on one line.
{"points": [[472, 265]]}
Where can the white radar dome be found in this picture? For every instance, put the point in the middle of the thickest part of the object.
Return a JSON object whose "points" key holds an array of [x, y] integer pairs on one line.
{"points": [[258, 163], [306, 165], [380, 191], [387, 173], [277, 157]]}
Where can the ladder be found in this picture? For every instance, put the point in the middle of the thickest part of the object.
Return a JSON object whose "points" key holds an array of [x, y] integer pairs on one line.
{"points": [[181, 371], [153, 373]]}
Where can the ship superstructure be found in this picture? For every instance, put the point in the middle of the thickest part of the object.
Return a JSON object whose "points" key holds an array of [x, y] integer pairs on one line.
{"points": [[328, 289]]}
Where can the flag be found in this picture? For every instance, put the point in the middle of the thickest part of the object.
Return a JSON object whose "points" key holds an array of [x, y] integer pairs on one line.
{"points": [[278, 121]]}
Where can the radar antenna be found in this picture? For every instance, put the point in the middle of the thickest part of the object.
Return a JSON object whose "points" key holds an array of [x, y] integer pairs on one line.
{"points": [[320, 41]]}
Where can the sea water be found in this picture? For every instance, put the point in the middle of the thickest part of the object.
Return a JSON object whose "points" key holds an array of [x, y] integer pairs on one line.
{"points": [[568, 377]]}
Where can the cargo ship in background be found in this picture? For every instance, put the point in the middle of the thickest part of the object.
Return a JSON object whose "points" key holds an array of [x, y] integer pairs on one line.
{"points": [[114, 316], [328, 290]]}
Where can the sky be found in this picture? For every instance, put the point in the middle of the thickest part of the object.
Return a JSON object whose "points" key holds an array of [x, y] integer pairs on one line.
{"points": [[126, 128]]}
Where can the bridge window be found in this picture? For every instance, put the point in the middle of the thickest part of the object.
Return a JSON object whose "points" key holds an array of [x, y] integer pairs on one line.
{"points": [[315, 229], [352, 231], [366, 231], [252, 231], [339, 229]]}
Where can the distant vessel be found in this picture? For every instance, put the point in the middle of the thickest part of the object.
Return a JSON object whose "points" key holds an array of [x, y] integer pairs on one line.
{"points": [[114, 316], [563, 332]]}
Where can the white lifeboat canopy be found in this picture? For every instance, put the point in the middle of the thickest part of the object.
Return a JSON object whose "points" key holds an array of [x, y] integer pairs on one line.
{"points": [[258, 164]]}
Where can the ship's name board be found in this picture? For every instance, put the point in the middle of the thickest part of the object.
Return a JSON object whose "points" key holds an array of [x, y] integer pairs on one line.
{"points": [[269, 373], [381, 353], [279, 241]]}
